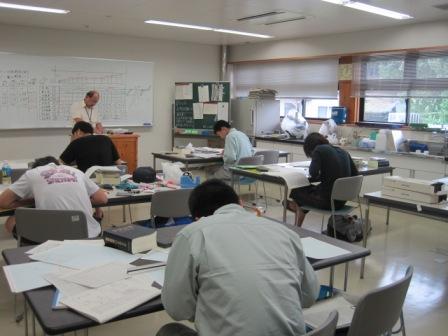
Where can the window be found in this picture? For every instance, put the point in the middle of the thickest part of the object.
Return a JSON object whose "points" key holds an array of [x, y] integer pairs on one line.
{"points": [[403, 87], [311, 108]]}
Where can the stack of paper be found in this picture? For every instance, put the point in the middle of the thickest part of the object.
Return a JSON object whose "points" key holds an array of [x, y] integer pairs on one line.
{"points": [[293, 177], [317, 249]]}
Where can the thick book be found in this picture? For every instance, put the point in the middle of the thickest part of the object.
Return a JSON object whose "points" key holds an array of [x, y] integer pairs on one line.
{"points": [[131, 238], [377, 162]]}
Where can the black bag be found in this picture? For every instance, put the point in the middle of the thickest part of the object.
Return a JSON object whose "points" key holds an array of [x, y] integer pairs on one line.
{"points": [[144, 174], [348, 228]]}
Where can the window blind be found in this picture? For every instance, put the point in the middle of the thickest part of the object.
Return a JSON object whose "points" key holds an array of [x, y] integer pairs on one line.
{"points": [[422, 74], [307, 79]]}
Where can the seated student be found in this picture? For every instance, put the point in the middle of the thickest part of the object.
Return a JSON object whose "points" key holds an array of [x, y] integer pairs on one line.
{"points": [[237, 145], [235, 274], [88, 150], [54, 187], [328, 163]]}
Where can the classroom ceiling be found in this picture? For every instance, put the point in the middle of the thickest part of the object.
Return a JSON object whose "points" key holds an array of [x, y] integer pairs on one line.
{"points": [[126, 17]]}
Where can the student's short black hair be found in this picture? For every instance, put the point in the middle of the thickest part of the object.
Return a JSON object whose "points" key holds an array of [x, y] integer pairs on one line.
{"points": [[43, 161], [209, 196], [312, 141], [83, 126], [91, 93], [220, 124]]}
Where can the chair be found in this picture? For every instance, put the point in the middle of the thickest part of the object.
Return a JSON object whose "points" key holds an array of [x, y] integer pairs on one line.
{"points": [[270, 157], [379, 310], [328, 328], [344, 189], [170, 203], [255, 160], [42, 225]]}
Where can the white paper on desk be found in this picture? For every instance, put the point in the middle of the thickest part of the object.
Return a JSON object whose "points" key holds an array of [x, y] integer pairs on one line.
{"points": [[203, 94], [98, 276], [89, 172], [317, 249], [206, 155], [223, 111], [294, 177], [184, 91], [92, 242], [66, 288], [157, 275], [80, 256], [198, 110], [211, 108], [105, 303], [48, 245], [156, 255], [28, 276], [317, 314]]}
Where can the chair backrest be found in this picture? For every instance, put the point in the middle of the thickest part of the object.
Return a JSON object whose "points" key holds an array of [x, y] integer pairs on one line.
{"points": [[328, 328], [347, 188], [41, 225], [170, 203], [270, 156], [379, 310], [255, 160], [17, 173]]}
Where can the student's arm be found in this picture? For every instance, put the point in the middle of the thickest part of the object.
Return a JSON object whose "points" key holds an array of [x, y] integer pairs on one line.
{"points": [[180, 289], [353, 169], [68, 155], [310, 284], [9, 200], [230, 150], [315, 166], [97, 196]]}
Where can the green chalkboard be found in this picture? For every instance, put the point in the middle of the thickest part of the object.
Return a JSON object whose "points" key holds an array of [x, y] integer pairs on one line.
{"points": [[210, 101]]}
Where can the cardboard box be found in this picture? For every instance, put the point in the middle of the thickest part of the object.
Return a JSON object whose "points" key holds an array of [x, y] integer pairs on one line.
{"points": [[412, 184], [414, 196]]}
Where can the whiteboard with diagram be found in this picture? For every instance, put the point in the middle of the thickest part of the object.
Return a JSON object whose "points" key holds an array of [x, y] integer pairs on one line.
{"points": [[37, 91]]}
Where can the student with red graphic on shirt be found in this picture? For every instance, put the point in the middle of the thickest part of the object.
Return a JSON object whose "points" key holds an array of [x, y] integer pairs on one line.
{"points": [[54, 187]]}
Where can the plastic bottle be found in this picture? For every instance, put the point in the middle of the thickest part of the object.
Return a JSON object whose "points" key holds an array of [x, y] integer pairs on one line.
{"points": [[381, 141], [6, 173]]}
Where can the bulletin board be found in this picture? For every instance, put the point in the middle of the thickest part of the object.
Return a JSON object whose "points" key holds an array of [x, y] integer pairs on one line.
{"points": [[198, 105]]}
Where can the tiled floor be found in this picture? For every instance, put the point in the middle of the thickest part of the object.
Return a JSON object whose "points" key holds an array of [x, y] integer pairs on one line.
{"points": [[408, 240]]}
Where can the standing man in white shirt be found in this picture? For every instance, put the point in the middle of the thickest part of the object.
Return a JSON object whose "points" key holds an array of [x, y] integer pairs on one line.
{"points": [[85, 111]]}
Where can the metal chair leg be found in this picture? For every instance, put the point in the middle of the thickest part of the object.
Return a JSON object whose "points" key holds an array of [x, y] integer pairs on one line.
{"points": [[346, 277], [322, 225], [130, 213], [265, 196]]}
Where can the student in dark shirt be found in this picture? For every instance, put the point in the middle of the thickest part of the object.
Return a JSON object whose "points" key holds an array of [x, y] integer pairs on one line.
{"points": [[88, 150], [328, 163]]}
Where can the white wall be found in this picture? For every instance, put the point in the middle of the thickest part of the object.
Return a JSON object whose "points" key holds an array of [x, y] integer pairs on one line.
{"points": [[174, 61], [403, 37]]}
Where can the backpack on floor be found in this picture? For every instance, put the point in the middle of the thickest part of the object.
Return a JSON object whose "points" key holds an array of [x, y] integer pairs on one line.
{"points": [[348, 228]]}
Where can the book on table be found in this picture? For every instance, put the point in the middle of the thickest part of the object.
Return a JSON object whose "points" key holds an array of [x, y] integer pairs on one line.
{"points": [[130, 238]]}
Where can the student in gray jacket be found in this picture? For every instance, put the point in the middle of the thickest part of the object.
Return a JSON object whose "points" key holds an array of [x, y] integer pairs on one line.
{"points": [[235, 274]]}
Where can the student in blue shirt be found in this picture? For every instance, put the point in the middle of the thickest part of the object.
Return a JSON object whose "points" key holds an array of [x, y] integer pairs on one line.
{"points": [[237, 145]]}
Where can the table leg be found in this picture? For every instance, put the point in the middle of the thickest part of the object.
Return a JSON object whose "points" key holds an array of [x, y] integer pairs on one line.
{"points": [[387, 215], [232, 180], [25, 311], [285, 201], [346, 277], [124, 213], [331, 284], [364, 240], [33, 321]]}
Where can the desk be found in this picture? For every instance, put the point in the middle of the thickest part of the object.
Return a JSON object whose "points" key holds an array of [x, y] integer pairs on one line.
{"points": [[174, 157], [435, 211], [365, 171], [55, 322]]}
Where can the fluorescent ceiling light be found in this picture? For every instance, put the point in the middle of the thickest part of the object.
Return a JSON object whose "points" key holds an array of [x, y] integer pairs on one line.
{"points": [[236, 32], [34, 8], [174, 24], [371, 9], [218, 30]]}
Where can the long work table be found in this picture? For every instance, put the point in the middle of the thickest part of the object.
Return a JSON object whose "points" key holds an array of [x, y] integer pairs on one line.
{"points": [[261, 176], [55, 322]]}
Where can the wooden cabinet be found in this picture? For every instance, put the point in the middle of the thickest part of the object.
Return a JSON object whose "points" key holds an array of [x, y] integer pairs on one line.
{"points": [[127, 147]]}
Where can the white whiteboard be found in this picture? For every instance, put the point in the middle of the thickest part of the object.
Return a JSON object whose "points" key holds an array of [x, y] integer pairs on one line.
{"points": [[37, 91]]}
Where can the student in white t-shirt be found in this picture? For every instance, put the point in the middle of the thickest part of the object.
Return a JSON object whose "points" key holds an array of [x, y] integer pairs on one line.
{"points": [[54, 187]]}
